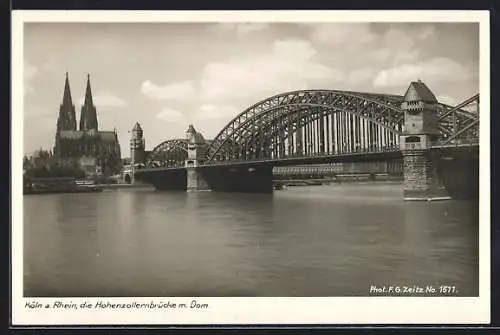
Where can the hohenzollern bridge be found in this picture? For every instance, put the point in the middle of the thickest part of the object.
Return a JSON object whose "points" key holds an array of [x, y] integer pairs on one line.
{"points": [[436, 145]]}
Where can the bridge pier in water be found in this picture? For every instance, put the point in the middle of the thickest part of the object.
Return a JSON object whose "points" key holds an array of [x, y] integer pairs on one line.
{"points": [[165, 180], [421, 178], [194, 179], [242, 179]]}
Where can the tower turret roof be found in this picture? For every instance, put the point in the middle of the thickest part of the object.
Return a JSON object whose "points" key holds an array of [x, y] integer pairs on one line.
{"points": [[418, 91], [191, 129], [194, 135], [137, 127]]}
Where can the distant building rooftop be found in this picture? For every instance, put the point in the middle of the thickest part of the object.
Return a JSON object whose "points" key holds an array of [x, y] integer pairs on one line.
{"points": [[107, 136], [71, 134]]}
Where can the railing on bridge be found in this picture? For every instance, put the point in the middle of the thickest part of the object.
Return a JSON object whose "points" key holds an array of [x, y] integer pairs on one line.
{"points": [[334, 169], [298, 156]]}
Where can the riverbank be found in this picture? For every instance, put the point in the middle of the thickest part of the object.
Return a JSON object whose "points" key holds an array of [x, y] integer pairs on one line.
{"points": [[135, 186], [58, 185], [79, 189]]}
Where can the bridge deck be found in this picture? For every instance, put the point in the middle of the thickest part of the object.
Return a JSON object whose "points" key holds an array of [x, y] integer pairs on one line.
{"points": [[319, 159]]}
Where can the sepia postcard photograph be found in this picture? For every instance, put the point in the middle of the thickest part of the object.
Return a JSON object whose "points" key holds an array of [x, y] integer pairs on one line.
{"points": [[250, 167]]}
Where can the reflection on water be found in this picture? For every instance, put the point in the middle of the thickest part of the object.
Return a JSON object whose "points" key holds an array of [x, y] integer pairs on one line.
{"points": [[311, 241]]}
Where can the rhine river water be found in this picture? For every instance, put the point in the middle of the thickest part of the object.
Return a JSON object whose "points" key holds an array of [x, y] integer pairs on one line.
{"points": [[303, 241]]}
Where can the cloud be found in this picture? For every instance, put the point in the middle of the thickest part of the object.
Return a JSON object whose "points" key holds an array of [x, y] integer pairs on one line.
{"points": [[106, 99], [247, 28], [426, 32], [50, 66], [39, 113], [170, 115], [177, 91], [109, 101], [371, 44], [288, 65], [361, 76], [241, 29], [445, 99], [401, 45], [39, 125], [439, 69], [358, 34], [350, 35], [212, 112], [293, 49], [28, 89], [29, 71]]}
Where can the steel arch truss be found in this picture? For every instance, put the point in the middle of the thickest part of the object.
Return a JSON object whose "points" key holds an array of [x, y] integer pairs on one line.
{"points": [[319, 122], [170, 153], [462, 128]]}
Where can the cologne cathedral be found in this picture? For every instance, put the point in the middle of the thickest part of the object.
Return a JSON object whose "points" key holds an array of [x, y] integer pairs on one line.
{"points": [[87, 148]]}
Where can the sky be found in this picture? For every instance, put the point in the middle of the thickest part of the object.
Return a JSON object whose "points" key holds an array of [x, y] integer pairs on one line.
{"points": [[169, 75]]}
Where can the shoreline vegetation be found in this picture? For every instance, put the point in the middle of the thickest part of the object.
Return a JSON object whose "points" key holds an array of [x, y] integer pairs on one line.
{"points": [[42, 174]]}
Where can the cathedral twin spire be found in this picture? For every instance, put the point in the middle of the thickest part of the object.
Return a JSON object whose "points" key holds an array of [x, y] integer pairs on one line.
{"points": [[88, 116], [67, 92], [67, 117]]}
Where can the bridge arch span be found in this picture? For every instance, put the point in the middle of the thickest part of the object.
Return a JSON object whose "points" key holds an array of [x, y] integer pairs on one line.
{"points": [[278, 121], [171, 153]]}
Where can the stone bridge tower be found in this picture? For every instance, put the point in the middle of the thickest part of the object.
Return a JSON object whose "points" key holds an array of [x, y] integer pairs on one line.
{"points": [[137, 144], [137, 152], [195, 155], [421, 131]]}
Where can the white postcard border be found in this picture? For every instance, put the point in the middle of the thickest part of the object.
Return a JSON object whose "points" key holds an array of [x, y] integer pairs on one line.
{"points": [[345, 310]]}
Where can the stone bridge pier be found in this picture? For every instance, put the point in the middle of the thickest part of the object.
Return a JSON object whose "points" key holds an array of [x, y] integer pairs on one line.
{"points": [[422, 181], [194, 179], [169, 179], [238, 178], [222, 178]]}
